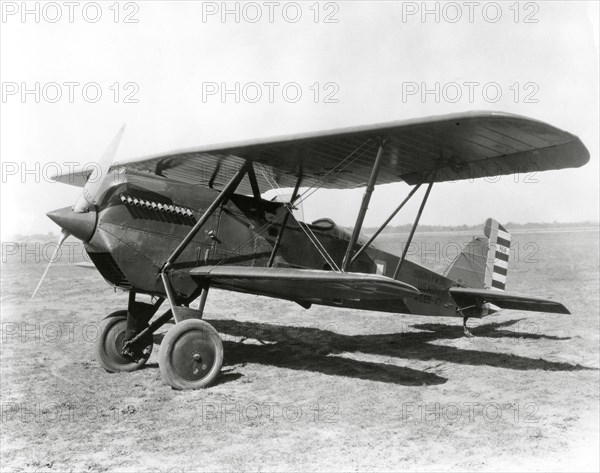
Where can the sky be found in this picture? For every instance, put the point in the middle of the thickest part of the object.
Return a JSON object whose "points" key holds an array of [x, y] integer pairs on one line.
{"points": [[73, 73]]}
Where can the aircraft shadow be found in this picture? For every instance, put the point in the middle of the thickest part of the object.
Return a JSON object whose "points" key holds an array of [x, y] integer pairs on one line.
{"points": [[313, 349], [491, 330], [295, 349], [300, 356]]}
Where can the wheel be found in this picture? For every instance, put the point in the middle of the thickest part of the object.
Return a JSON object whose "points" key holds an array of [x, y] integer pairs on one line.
{"points": [[109, 346], [191, 355]]}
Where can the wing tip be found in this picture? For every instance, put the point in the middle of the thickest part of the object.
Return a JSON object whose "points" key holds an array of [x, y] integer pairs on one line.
{"points": [[582, 152], [563, 309]]}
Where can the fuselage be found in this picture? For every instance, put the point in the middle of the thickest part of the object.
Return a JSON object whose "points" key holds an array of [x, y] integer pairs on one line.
{"points": [[142, 218]]}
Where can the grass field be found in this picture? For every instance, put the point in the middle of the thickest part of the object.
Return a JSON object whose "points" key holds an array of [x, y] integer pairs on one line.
{"points": [[319, 389]]}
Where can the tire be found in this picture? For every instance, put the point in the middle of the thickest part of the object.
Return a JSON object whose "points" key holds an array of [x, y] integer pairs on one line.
{"points": [[191, 355], [110, 342]]}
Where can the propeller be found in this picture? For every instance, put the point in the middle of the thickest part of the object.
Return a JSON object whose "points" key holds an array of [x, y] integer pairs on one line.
{"points": [[79, 220], [98, 176], [61, 239]]}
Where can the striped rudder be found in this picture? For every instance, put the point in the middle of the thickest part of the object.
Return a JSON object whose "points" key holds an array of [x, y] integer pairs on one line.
{"points": [[483, 263], [498, 255]]}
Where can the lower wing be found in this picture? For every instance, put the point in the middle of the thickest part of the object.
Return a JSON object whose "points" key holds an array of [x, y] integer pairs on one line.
{"points": [[304, 284]]}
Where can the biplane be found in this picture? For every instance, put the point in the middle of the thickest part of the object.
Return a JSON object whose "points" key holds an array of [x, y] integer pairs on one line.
{"points": [[174, 225]]}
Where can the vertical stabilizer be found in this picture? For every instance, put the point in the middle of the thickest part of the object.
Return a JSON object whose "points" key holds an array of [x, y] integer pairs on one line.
{"points": [[483, 263]]}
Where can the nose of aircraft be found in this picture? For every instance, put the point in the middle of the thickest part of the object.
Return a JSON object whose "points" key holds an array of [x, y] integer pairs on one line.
{"points": [[80, 225]]}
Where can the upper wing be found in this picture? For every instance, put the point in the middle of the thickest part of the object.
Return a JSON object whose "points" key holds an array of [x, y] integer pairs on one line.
{"points": [[459, 146], [465, 296], [304, 284]]}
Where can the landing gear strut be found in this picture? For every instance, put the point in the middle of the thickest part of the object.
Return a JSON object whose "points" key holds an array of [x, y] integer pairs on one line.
{"points": [[111, 352], [124, 343], [191, 353], [466, 330]]}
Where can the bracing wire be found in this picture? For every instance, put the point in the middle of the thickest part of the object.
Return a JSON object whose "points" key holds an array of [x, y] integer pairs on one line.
{"points": [[357, 153]]}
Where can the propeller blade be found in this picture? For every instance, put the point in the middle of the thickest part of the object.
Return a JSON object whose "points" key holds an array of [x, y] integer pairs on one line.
{"points": [[98, 175], [61, 239]]}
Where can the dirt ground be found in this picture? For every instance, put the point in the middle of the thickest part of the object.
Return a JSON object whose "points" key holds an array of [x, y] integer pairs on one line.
{"points": [[321, 389]]}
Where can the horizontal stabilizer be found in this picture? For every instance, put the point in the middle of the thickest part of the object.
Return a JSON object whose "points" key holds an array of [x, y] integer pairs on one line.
{"points": [[466, 297], [304, 284]]}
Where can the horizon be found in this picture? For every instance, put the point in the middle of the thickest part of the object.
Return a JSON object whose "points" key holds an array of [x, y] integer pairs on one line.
{"points": [[15, 238]]}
